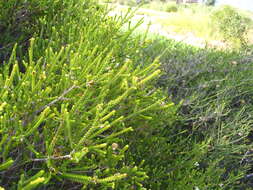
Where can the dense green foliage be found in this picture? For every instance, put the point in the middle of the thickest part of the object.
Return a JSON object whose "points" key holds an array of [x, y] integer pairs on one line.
{"points": [[216, 90], [171, 8], [19, 20], [231, 24], [84, 104], [63, 116]]}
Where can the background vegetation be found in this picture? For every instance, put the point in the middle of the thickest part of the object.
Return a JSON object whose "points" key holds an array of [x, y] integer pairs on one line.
{"points": [[207, 23], [86, 103]]}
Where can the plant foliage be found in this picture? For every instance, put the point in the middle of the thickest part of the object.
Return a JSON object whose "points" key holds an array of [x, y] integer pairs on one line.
{"points": [[231, 24], [63, 116]]}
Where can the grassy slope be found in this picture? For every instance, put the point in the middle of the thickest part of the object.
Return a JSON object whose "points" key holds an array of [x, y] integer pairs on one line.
{"points": [[203, 149], [216, 89], [190, 21]]}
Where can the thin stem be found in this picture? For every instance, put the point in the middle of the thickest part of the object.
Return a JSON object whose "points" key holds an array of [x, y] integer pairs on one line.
{"points": [[51, 158], [61, 97]]}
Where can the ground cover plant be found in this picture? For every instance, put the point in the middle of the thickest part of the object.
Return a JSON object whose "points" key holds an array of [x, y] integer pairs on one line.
{"points": [[63, 115], [216, 89], [86, 104], [233, 26]]}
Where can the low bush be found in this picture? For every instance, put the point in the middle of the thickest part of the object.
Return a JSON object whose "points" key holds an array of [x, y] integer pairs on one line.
{"points": [[64, 116], [19, 21], [216, 90], [231, 24], [210, 2], [130, 3], [81, 108], [171, 8]]}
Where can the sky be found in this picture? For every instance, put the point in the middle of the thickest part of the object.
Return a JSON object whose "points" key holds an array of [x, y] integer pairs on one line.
{"points": [[243, 4]]}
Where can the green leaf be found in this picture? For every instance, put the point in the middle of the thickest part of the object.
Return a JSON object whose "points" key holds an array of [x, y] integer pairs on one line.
{"points": [[6, 164]]}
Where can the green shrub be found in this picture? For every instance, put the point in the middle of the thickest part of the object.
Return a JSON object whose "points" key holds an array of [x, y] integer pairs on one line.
{"points": [[63, 118], [216, 116], [231, 24], [130, 3], [19, 21], [171, 8], [72, 96], [210, 2]]}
